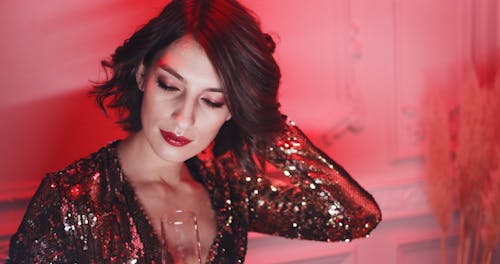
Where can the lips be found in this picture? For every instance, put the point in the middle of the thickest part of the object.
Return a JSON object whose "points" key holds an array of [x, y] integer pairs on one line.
{"points": [[174, 140]]}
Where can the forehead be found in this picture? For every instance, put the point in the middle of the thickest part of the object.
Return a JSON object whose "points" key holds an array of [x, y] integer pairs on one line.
{"points": [[184, 44], [190, 60]]}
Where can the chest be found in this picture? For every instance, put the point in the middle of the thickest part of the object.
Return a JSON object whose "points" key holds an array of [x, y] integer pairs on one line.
{"points": [[156, 202]]}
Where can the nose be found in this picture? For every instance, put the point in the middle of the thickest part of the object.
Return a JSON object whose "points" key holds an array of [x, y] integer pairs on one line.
{"points": [[184, 115]]}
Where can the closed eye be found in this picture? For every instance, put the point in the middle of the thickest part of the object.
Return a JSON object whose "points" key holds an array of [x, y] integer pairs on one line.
{"points": [[213, 104], [166, 87]]}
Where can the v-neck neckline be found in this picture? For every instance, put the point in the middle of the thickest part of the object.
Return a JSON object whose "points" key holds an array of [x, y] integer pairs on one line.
{"points": [[144, 225]]}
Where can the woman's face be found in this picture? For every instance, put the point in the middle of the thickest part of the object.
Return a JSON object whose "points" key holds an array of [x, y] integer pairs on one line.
{"points": [[183, 105]]}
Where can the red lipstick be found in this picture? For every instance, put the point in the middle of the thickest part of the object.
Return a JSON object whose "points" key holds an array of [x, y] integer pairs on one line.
{"points": [[172, 139]]}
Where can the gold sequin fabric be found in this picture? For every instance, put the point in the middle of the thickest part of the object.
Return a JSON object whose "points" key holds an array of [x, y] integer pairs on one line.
{"points": [[88, 212]]}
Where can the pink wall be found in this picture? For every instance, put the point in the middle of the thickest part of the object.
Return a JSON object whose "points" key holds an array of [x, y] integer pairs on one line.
{"points": [[353, 73], [50, 51]]}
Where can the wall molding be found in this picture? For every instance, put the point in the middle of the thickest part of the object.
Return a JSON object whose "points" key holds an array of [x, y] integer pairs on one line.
{"points": [[348, 97], [411, 200], [272, 249], [413, 74], [328, 259], [426, 248]]}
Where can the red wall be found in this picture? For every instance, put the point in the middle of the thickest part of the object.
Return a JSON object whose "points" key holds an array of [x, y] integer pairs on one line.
{"points": [[353, 75]]}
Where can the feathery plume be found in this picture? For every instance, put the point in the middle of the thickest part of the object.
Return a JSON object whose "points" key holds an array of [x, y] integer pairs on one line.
{"points": [[490, 226], [439, 181], [469, 163]]}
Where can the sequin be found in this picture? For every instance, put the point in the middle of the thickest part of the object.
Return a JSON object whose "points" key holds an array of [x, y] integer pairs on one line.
{"points": [[89, 213], [75, 192], [333, 210]]}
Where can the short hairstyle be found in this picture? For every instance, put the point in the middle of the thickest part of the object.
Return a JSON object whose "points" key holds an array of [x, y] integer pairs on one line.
{"points": [[242, 57]]}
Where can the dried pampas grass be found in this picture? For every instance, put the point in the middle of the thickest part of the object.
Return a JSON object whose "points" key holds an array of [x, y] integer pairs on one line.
{"points": [[469, 163], [476, 168], [439, 181], [476, 160], [490, 226]]}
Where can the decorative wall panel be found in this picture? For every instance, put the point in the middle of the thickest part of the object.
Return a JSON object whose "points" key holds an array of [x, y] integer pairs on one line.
{"points": [[427, 250], [347, 104], [426, 56]]}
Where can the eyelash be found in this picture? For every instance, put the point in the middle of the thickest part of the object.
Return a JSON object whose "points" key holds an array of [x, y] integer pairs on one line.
{"points": [[166, 87], [171, 88], [212, 104]]}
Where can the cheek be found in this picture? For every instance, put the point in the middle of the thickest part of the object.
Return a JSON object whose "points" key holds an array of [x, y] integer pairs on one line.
{"points": [[152, 108], [146, 111], [211, 126]]}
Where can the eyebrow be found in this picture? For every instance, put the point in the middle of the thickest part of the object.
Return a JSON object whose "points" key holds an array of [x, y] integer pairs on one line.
{"points": [[167, 68], [171, 71]]}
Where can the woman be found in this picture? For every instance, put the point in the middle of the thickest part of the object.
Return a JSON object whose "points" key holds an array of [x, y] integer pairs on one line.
{"points": [[196, 88]]}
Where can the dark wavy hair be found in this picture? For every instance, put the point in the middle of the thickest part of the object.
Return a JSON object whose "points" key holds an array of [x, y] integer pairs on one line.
{"points": [[241, 55]]}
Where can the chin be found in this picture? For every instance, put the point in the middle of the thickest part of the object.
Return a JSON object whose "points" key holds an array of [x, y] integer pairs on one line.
{"points": [[173, 155]]}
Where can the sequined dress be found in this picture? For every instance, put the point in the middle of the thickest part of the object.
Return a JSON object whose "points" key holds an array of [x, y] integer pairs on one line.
{"points": [[89, 213]]}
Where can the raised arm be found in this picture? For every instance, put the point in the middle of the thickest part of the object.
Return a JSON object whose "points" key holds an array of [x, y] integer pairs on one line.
{"points": [[319, 201]]}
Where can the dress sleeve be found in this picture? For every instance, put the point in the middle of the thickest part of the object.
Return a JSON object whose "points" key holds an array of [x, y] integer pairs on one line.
{"points": [[41, 238], [318, 201]]}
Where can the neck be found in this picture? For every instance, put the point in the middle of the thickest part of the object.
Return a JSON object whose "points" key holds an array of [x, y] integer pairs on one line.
{"points": [[141, 164]]}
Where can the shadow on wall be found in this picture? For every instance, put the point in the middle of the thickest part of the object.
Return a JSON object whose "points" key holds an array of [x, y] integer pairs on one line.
{"points": [[46, 135]]}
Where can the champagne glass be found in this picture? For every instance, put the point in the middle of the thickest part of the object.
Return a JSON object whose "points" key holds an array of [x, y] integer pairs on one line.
{"points": [[181, 242]]}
